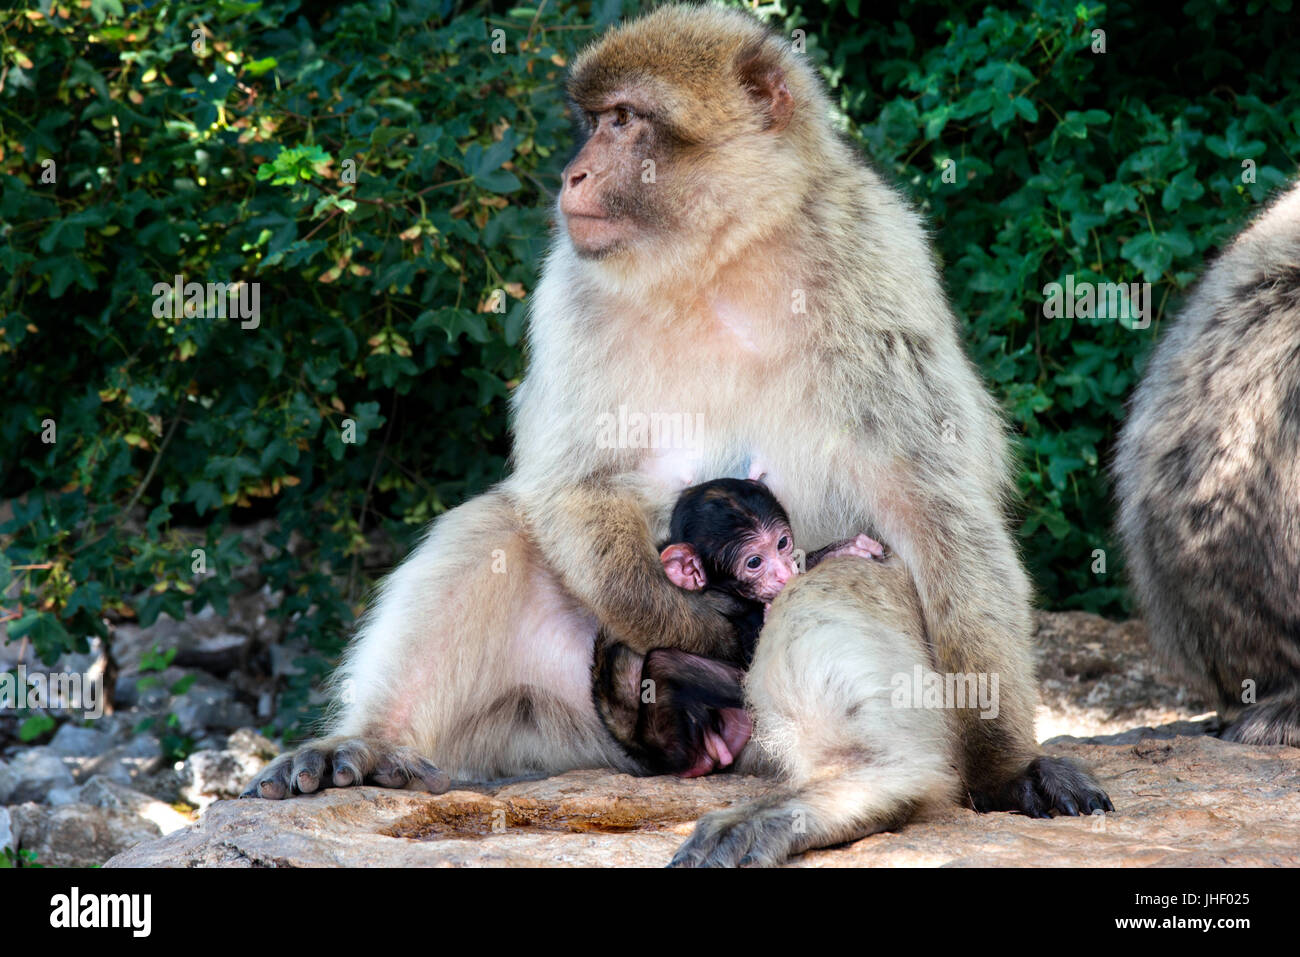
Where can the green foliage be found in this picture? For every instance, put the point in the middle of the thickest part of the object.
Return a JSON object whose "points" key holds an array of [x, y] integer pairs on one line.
{"points": [[1122, 166], [175, 745], [379, 169], [383, 172], [36, 726], [10, 858]]}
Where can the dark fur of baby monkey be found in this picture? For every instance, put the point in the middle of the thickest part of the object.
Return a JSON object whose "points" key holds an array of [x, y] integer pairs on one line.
{"points": [[681, 713]]}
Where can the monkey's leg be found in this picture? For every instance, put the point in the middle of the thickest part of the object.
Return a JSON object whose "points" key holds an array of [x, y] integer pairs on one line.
{"points": [[975, 599], [1274, 720], [853, 763], [473, 660]]}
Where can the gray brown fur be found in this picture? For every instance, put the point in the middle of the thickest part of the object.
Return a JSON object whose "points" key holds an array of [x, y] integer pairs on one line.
{"points": [[1208, 479]]}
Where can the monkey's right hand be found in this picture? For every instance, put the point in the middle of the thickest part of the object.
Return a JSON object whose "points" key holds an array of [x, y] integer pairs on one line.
{"points": [[344, 762]]}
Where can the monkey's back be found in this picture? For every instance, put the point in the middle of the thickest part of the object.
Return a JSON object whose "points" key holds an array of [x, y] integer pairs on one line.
{"points": [[1208, 470]]}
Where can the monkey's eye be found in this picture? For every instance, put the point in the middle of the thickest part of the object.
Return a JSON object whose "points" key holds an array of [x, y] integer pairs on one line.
{"points": [[622, 116], [754, 561], [781, 545]]}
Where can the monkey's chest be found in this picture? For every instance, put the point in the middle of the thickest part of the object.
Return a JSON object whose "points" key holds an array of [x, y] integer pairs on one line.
{"points": [[735, 421]]}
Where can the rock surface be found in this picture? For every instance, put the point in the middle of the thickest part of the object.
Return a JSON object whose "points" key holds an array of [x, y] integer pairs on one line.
{"points": [[90, 792], [77, 835], [1100, 677], [31, 775], [1188, 801]]}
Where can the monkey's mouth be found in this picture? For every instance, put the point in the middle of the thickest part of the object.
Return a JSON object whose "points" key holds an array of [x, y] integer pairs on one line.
{"points": [[594, 235]]}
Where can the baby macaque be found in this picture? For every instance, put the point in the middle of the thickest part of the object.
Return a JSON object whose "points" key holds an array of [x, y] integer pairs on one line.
{"points": [[682, 713]]}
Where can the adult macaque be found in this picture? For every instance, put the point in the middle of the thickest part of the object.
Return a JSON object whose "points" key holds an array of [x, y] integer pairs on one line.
{"points": [[1208, 476], [678, 712], [723, 258]]}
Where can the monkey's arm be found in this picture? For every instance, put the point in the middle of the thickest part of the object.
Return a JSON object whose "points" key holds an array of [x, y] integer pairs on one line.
{"points": [[595, 536]]}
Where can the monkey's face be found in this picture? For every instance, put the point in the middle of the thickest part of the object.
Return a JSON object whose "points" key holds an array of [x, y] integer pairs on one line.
{"points": [[607, 198], [766, 563], [682, 129]]}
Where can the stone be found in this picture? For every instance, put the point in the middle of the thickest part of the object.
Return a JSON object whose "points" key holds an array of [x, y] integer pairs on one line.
{"points": [[1180, 801], [31, 774], [106, 793], [141, 755], [147, 691], [60, 796], [205, 708], [77, 835], [209, 775], [75, 741], [6, 832], [1099, 677]]}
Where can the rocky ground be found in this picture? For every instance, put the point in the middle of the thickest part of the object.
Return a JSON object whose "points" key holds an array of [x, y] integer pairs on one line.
{"points": [[102, 789]]}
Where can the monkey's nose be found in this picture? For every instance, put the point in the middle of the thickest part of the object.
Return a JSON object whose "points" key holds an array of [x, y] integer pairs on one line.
{"points": [[576, 178]]}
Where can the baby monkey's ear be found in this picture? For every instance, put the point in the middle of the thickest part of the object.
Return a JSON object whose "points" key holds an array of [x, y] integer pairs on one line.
{"points": [[683, 567]]}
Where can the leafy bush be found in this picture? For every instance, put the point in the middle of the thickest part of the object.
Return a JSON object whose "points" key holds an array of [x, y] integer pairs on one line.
{"points": [[380, 170], [383, 172], [1120, 166]]}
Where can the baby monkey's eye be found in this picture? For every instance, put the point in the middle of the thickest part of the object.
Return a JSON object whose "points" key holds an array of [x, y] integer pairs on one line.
{"points": [[781, 545], [754, 561]]}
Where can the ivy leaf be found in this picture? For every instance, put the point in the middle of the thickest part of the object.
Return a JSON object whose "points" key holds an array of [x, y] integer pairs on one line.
{"points": [[1154, 254]]}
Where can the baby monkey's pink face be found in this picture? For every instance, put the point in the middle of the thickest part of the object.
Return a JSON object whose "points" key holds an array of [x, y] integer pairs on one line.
{"points": [[766, 563]]}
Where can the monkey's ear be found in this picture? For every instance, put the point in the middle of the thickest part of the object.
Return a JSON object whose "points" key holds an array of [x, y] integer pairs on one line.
{"points": [[683, 568], [763, 79]]}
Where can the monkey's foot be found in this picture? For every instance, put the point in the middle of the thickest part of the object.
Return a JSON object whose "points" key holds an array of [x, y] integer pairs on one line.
{"points": [[1269, 722], [1048, 784], [754, 835], [344, 762]]}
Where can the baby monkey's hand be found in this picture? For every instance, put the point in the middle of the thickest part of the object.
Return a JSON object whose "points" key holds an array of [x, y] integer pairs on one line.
{"points": [[862, 546]]}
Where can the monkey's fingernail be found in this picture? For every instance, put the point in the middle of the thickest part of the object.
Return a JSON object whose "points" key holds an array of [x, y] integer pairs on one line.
{"points": [[1069, 807]]}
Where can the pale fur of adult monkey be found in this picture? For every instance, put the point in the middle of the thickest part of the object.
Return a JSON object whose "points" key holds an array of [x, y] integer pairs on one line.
{"points": [[773, 288], [1208, 479], [851, 761]]}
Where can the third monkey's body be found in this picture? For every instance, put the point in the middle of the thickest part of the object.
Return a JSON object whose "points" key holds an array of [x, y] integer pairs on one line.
{"points": [[1208, 477], [800, 326]]}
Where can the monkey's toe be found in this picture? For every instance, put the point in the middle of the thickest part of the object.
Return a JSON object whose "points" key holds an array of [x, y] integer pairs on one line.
{"points": [[273, 783], [1048, 784], [308, 768], [346, 763], [746, 837]]}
